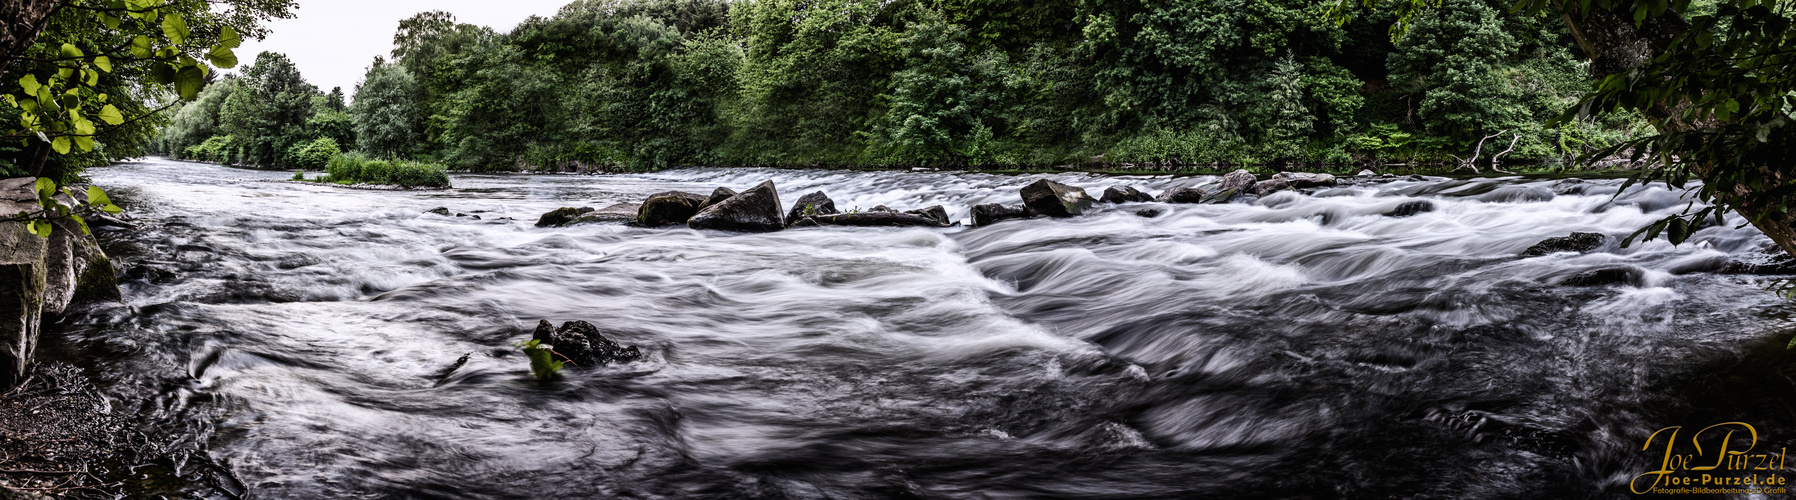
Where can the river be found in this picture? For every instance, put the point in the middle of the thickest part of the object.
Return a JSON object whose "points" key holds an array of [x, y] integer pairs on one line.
{"points": [[306, 338]]}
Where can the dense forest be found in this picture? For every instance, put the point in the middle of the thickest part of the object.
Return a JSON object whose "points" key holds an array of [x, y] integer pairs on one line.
{"points": [[644, 84]]}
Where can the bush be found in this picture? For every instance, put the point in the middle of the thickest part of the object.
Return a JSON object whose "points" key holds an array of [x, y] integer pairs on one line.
{"points": [[313, 155], [216, 148], [358, 169]]}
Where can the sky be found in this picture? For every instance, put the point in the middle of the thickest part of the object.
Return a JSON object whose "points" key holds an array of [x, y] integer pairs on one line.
{"points": [[333, 41]]}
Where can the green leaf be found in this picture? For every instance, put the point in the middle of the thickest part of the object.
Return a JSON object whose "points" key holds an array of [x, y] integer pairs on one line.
{"points": [[82, 126], [109, 21], [81, 223], [91, 77], [174, 28], [86, 143], [222, 57], [45, 186], [111, 116], [140, 46], [70, 51], [29, 83], [60, 144], [162, 73], [104, 63], [188, 82], [111, 209], [228, 38], [40, 227], [97, 196]]}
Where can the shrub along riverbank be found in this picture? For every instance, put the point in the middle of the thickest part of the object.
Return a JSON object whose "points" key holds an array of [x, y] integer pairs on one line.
{"points": [[358, 169]]}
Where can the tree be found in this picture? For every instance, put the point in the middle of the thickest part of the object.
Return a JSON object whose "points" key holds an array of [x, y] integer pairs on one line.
{"points": [[388, 121]]}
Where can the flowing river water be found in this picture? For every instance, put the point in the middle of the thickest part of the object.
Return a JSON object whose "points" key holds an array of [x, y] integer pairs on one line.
{"points": [[306, 338]]}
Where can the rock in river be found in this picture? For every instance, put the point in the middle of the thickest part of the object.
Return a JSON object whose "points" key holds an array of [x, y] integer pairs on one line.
{"points": [[717, 196], [672, 207], [1055, 199], [1124, 194], [812, 204], [990, 213], [888, 219], [756, 210], [561, 216], [581, 343], [1576, 242], [1240, 180]]}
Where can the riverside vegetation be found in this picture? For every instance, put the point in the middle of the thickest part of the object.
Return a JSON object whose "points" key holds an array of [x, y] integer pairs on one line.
{"points": [[632, 85]]}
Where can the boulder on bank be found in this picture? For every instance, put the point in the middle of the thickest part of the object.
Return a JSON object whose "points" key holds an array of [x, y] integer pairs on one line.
{"points": [[1409, 208], [672, 207], [812, 204], [717, 196], [990, 213], [756, 210], [39, 275], [1054, 199], [582, 344], [561, 216], [1124, 194], [1576, 242]]}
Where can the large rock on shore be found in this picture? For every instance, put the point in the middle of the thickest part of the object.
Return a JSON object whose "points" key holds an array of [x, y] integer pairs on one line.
{"points": [[756, 210], [1576, 242], [672, 207], [39, 275], [1054, 199], [1124, 194], [815, 203], [990, 213], [581, 343]]}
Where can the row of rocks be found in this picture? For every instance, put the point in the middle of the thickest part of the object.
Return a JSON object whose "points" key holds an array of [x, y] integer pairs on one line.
{"points": [[757, 209]]}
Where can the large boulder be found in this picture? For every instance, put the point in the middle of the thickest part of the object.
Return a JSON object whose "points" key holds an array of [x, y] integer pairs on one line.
{"points": [[582, 344], [880, 219], [672, 207], [757, 209], [717, 196], [812, 204], [1124, 194], [39, 275], [990, 213], [1269, 186], [1054, 199], [1240, 180], [561, 216], [935, 212], [1576, 242]]}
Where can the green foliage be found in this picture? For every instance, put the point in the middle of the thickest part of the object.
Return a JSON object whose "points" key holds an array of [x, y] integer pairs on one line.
{"points": [[40, 222], [358, 169], [216, 148], [314, 155], [386, 116], [543, 364]]}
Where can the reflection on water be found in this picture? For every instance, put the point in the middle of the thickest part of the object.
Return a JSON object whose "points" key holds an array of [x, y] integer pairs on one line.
{"points": [[1299, 346]]}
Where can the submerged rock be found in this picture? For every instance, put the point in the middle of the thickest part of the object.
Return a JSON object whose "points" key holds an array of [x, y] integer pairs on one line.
{"points": [[443, 211], [1576, 242], [1606, 276], [756, 210], [812, 204], [672, 207], [1055, 199], [1409, 208], [561, 216], [990, 213], [1124, 194], [582, 344]]}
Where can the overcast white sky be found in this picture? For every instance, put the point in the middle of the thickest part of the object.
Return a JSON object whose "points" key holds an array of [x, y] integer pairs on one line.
{"points": [[333, 41]]}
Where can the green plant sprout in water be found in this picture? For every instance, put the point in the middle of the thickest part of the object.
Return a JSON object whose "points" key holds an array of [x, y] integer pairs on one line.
{"points": [[39, 223], [542, 359]]}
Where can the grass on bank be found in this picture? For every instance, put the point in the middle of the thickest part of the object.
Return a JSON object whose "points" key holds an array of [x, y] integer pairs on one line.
{"points": [[357, 169]]}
